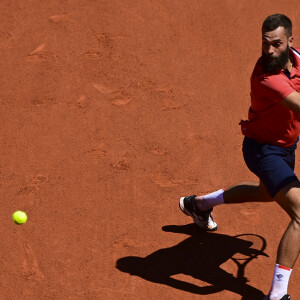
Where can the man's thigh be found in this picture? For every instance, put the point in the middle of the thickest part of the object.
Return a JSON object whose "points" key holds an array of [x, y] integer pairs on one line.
{"points": [[271, 164]]}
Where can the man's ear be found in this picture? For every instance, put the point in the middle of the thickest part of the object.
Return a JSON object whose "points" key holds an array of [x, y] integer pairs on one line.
{"points": [[290, 41]]}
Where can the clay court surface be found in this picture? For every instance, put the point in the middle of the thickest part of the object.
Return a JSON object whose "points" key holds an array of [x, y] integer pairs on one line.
{"points": [[110, 111]]}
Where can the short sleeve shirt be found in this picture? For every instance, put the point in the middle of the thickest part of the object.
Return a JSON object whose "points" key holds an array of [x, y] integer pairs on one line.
{"points": [[269, 122]]}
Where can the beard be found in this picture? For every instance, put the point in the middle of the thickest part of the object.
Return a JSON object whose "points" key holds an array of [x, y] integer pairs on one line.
{"points": [[275, 64]]}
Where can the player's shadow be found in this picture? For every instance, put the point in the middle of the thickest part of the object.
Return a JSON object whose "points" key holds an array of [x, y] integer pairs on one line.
{"points": [[199, 256]]}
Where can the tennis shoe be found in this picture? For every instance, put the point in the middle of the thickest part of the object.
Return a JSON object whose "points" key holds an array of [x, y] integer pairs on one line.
{"points": [[204, 220]]}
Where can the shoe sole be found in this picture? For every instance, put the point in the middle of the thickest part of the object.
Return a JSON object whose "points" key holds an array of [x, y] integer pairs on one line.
{"points": [[268, 298], [186, 212]]}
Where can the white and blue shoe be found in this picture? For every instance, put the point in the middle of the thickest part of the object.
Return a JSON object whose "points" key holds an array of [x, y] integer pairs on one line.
{"points": [[204, 220]]}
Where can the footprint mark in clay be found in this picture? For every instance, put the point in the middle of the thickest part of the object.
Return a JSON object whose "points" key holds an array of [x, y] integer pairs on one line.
{"points": [[82, 102], [61, 18], [103, 89], [38, 54], [121, 102], [30, 265], [93, 54], [165, 181], [159, 152], [38, 49], [97, 151], [27, 190], [121, 165], [41, 101], [171, 104], [39, 179], [30, 189]]}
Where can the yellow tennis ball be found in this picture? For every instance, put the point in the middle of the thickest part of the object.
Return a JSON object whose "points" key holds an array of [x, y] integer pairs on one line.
{"points": [[19, 217]]}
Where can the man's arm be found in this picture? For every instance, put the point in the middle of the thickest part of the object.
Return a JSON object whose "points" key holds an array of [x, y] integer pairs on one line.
{"points": [[292, 101]]}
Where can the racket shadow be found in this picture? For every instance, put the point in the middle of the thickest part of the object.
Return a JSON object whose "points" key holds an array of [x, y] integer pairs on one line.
{"points": [[199, 256]]}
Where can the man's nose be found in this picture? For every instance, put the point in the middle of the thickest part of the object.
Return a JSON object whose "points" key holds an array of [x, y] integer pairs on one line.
{"points": [[270, 50]]}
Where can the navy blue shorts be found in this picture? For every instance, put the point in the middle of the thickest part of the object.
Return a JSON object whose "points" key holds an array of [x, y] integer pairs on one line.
{"points": [[273, 165]]}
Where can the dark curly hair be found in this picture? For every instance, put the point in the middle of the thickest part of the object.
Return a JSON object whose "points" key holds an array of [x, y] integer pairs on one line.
{"points": [[274, 21]]}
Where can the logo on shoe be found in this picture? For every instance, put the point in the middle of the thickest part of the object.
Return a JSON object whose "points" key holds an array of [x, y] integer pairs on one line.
{"points": [[279, 277]]}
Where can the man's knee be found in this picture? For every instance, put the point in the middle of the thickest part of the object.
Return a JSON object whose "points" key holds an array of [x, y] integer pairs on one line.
{"points": [[289, 199]]}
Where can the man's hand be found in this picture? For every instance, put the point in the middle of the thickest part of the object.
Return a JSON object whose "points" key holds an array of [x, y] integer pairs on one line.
{"points": [[292, 101]]}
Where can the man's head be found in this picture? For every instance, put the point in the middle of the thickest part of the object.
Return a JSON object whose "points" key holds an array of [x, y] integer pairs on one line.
{"points": [[276, 40]]}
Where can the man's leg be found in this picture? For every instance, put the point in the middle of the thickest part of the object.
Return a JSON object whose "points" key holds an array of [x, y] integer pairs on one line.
{"points": [[247, 192], [288, 251], [289, 199], [239, 193]]}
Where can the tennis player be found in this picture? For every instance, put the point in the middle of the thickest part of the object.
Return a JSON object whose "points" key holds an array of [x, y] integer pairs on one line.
{"points": [[270, 134]]}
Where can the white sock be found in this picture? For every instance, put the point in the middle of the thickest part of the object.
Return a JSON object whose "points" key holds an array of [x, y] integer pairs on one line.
{"points": [[210, 200], [280, 282]]}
